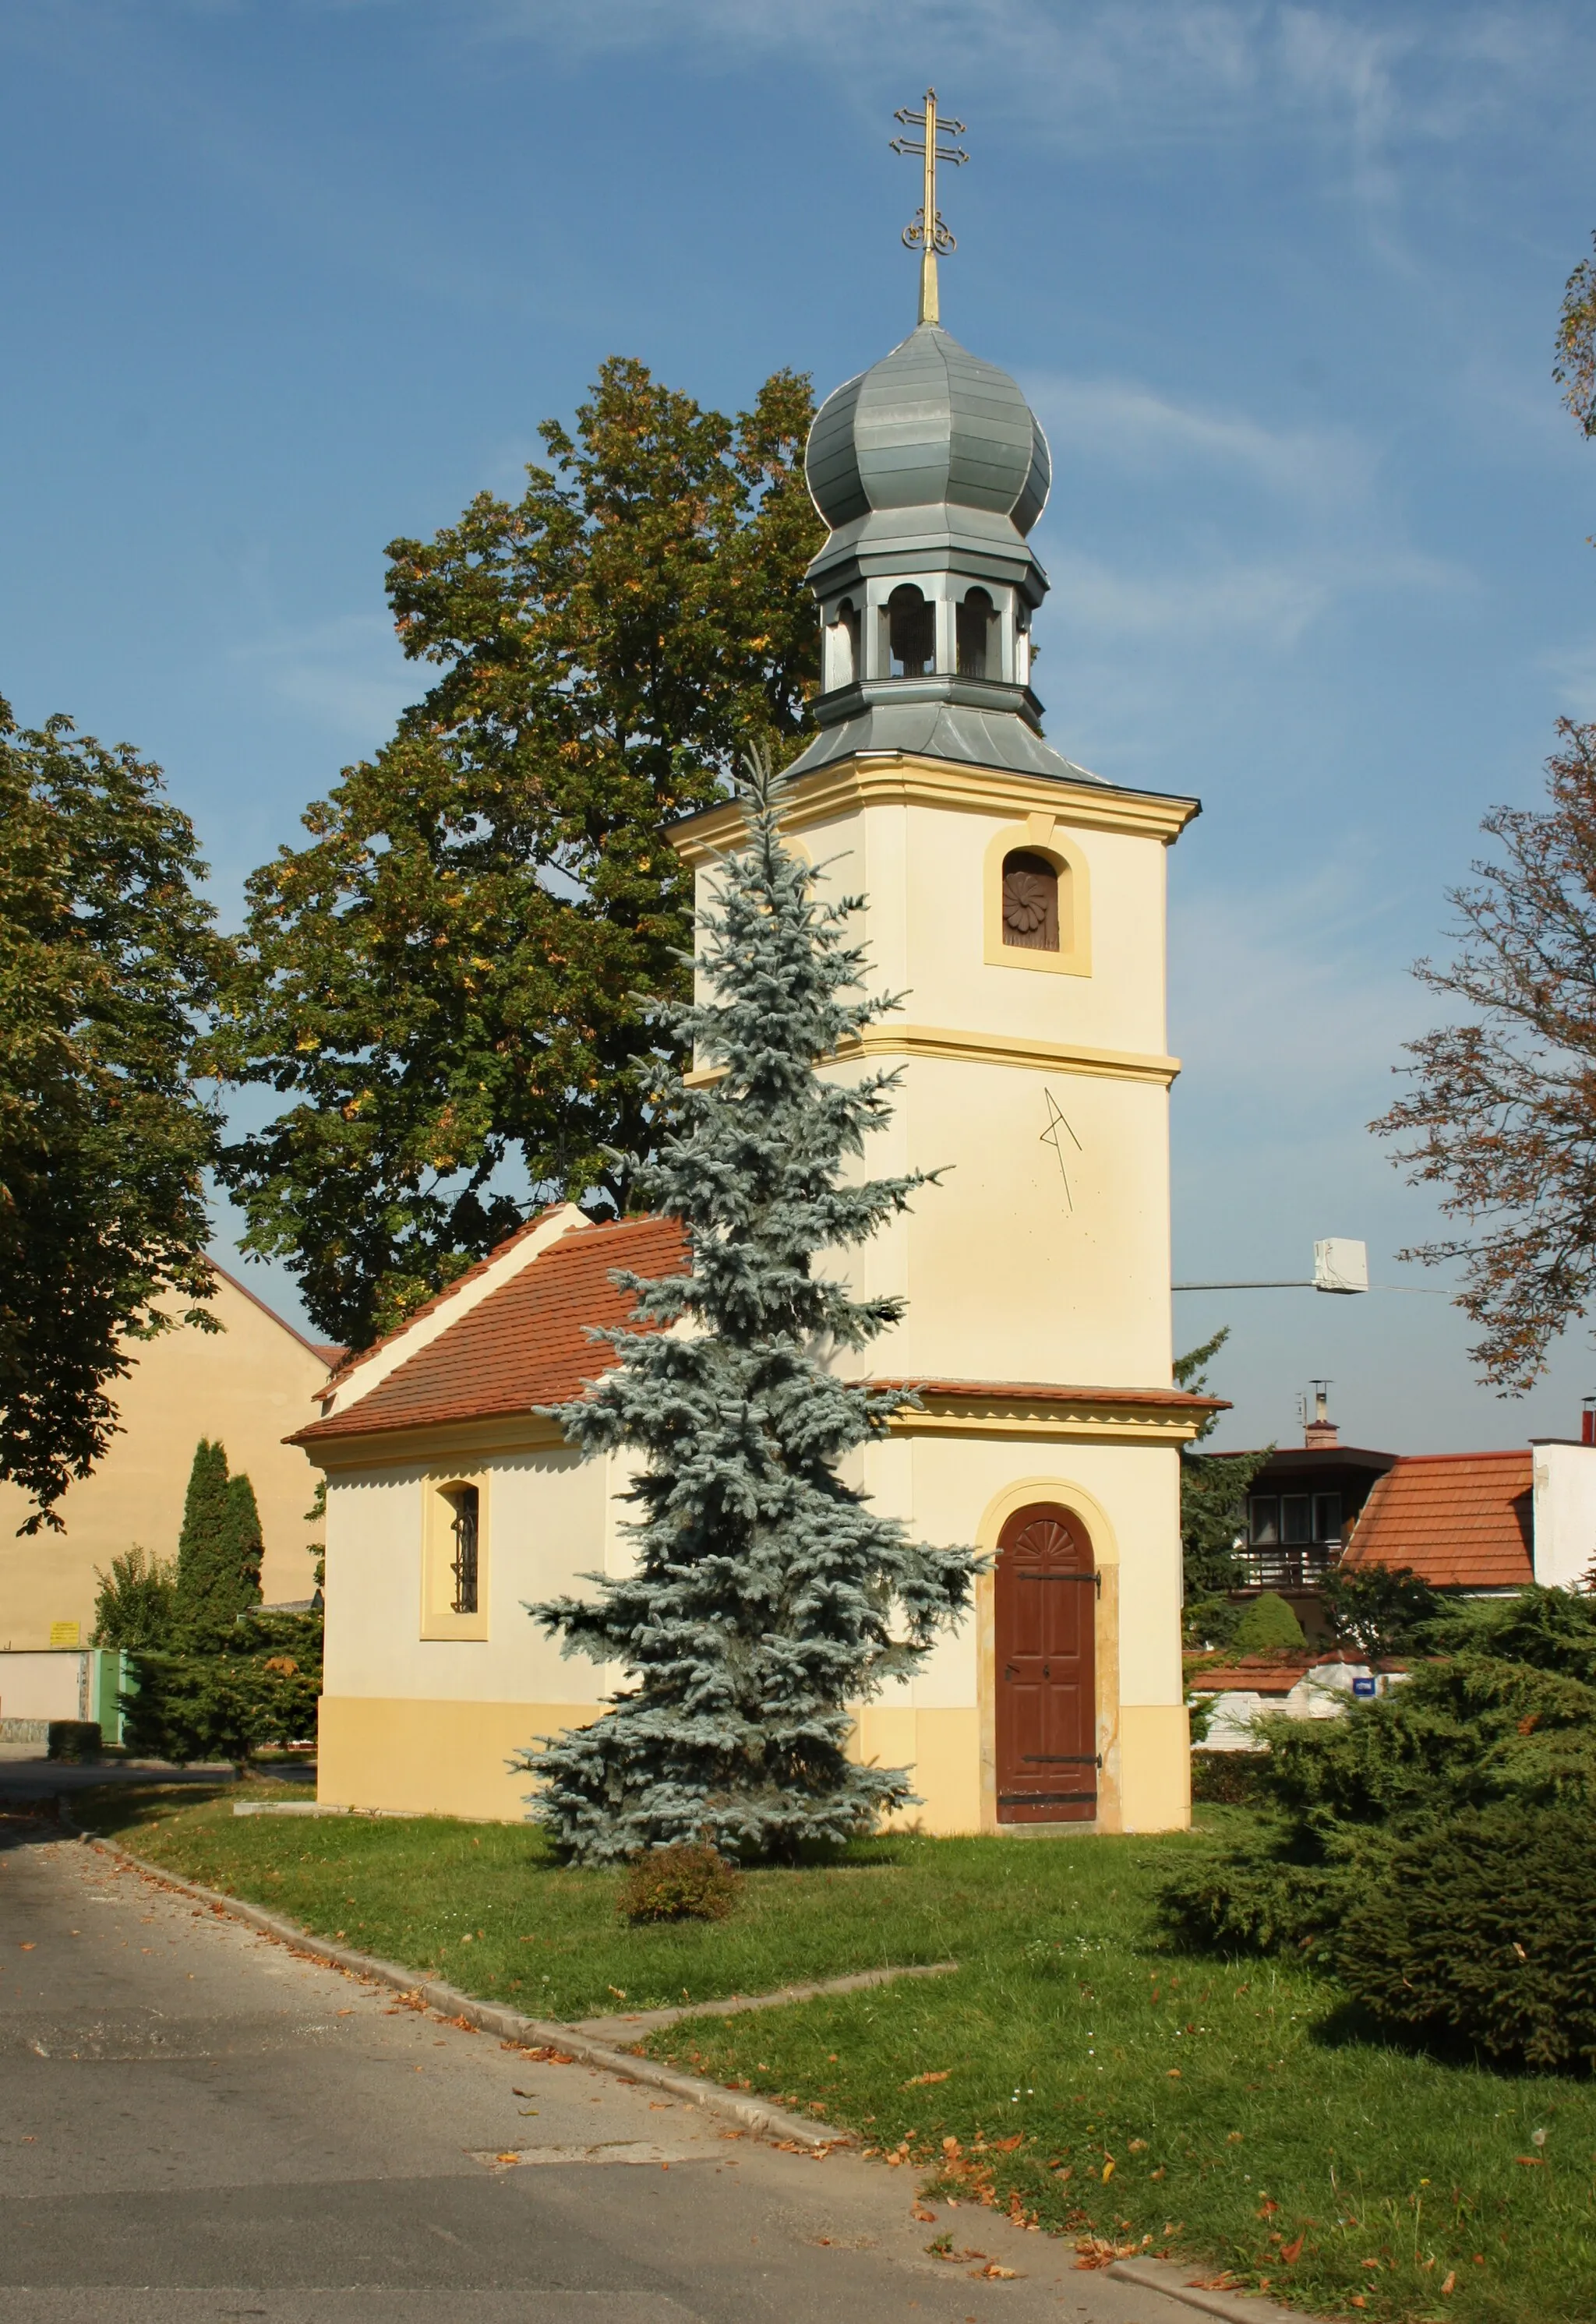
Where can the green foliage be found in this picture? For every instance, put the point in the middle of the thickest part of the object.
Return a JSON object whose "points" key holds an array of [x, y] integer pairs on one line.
{"points": [[766, 1601], [1227, 1778], [1214, 1491], [1380, 1609], [447, 977], [1507, 1713], [105, 950], [685, 1883], [73, 1740], [1266, 1626], [259, 1687], [1483, 1932], [135, 1604]]}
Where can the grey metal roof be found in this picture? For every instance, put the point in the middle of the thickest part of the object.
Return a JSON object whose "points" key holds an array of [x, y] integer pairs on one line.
{"points": [[943, 729], [929, 423]]}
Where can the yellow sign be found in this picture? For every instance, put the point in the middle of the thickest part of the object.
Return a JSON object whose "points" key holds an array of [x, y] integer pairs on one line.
{"points": [[65, 1633]]}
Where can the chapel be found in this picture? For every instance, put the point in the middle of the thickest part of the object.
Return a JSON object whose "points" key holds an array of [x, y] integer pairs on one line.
{"points": [[1020, 902]]}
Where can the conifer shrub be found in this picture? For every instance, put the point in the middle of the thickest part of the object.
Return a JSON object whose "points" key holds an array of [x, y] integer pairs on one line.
{"points": [[1267, 1627], [1504, 1709], [259, 1687], [768, 1598], [690, 1882], [1482, 1934]]}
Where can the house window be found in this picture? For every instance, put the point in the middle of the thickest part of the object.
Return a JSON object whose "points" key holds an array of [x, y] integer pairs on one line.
{"points": [[1326, 1516], [976, 634], [911, 633], [453, 1556], [1297, 1519], [1264, 1520], [1030, 901], [465, 1527]]}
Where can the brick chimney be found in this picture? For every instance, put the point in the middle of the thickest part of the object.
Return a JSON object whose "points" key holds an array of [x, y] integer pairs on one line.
{"points": [[1321, 1434]]}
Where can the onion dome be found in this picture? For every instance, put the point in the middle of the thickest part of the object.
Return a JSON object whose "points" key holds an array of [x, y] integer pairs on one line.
{"points": [[930, 424]]}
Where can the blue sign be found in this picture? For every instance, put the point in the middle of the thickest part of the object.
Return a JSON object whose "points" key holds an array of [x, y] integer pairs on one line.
{"points": [[1364, 1686]]}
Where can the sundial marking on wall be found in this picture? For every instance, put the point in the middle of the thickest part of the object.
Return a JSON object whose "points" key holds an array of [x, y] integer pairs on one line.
{"points": [[1057, 1121]]}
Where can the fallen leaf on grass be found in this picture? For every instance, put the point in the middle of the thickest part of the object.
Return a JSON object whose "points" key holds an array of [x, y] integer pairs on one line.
{"points": [[918, 2081], [1525, 2162], [1450, 2286], [1293, 2251]]}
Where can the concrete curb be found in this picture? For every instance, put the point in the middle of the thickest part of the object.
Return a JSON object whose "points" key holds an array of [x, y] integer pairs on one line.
{"points": [[527, 2032], [1175, 2283]]}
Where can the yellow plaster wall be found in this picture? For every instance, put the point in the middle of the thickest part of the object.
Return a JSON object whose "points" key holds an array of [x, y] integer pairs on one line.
{"points": [[250, 1385], [440, 1758], [550, 1518]]}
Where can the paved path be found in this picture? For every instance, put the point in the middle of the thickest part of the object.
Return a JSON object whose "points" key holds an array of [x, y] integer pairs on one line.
{"points": [[195, 2124]]}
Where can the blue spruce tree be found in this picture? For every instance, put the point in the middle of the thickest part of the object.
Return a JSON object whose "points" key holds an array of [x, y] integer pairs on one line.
{"points": [[766, 1597]]}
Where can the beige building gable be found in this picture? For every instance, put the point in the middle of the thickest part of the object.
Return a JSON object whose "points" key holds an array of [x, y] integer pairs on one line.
{"points": [[250, 1385]]}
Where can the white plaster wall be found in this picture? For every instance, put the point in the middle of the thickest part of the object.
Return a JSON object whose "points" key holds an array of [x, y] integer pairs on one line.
{"points": [[40, 1685], [548, 1521], [1564, 1522]]}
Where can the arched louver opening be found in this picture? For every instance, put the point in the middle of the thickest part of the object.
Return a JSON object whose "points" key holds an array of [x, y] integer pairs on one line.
{"points": [[1030, 901], [911, 633], [976, 627]]}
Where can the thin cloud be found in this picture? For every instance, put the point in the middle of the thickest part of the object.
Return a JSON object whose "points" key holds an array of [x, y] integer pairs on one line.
{"points": [[349, 673]]}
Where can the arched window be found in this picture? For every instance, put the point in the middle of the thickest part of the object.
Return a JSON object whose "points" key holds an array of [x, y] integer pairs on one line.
{"points": [[1030, 901], [911, 633], [976, 626], [845, 646]]}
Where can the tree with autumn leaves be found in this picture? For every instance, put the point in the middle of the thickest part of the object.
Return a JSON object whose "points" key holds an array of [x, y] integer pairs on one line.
{"points": [[1501, 1115], [449, 981]]}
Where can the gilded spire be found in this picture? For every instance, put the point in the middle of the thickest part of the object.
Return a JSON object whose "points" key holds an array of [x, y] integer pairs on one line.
{"points": [[927, 233]]}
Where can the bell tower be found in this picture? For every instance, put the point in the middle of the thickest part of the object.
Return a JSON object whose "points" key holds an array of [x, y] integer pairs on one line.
{"points": [[1017, 902]]}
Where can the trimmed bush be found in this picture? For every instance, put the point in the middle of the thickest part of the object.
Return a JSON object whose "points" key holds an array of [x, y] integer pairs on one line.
{"points": [[1228, 1778], [1268, 1625], [1484, 1934], [687, 1883], [73, 1738]]}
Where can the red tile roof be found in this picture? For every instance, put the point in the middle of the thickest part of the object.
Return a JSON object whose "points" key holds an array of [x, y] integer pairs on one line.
{"points": [[1161, 1399], [349, 1357], [523, 1345], [1461, 1520]]}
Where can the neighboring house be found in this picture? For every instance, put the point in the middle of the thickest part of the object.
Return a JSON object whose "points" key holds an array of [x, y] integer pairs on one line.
{"points": [[1302, 1685], [1486, 1524], [249, 1384], [1021, 902]]}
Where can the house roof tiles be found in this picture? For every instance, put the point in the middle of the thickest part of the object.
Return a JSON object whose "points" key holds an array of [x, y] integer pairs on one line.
{"points": [[524, 1345], [1460, 1520]]}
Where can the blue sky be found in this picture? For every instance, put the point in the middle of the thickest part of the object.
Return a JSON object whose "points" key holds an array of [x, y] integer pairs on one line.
{"points": [[285, 278]]}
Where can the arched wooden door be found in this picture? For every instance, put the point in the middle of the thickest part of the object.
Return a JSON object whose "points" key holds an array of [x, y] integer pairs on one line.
{"points": [[1045, 1589]]}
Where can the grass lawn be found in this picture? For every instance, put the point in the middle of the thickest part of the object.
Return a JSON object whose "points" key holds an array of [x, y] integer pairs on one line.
{"points": [[1074, 2068]]}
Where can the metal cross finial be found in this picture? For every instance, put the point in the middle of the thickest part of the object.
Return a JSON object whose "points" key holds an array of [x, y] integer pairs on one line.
{"points": [[927, 232]]}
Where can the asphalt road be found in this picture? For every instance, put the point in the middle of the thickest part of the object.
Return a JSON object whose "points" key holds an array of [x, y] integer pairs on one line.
{"points": [[196, 2123]]}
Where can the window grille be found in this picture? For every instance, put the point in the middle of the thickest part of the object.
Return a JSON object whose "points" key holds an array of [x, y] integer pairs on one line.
{"points": [[463, 1563]]}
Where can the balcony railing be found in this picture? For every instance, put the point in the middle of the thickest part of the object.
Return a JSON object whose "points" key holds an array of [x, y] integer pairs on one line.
{"points": [[1272, 1566]]}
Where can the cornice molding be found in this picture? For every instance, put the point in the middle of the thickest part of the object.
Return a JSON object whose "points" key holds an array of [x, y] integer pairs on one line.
{"points": [[421, 1446], [900, 778], [889, 1040]]}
